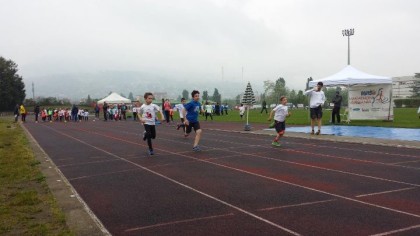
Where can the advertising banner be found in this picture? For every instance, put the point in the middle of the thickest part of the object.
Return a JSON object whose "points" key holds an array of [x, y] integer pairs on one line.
{"points": [[372, 102]]}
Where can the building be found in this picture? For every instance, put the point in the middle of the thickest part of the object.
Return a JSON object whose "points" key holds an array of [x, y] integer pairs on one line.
{"points": [[402, 86]]}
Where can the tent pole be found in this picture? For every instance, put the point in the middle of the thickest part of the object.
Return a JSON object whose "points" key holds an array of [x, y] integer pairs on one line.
{"points": [[348, 104], [390, 103]]}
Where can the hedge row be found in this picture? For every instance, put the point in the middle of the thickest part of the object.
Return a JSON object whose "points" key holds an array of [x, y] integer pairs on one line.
{"points": [[407, 102]]}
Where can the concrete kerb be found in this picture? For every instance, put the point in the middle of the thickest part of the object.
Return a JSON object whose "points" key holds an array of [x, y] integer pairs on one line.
{"points": [[79, 217]]}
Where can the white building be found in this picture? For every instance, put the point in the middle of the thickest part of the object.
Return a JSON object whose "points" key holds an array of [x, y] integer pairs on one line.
{"points": [[402, 86]]}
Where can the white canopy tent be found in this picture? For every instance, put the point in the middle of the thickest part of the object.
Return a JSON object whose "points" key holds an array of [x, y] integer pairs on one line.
{"points": [[369, 95], [114, 98], [351, 76]]}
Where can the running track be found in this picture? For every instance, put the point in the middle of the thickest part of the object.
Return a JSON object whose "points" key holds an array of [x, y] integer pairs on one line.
{"points": [[238, 185]]}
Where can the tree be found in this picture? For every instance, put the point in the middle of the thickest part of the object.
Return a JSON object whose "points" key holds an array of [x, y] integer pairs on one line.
{"points": [[205, 95], [12, 88], [307, 83], [238, 99], [415, 89], [130, 96], [88, 100], [217, 97], [185, 94]]}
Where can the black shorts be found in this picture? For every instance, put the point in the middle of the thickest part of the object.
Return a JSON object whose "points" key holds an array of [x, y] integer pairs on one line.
{"points": [[316, 113], [280, 126], [190, 126]]}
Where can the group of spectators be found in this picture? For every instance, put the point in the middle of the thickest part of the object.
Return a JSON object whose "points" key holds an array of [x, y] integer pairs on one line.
{"points": [[114, 112], [52, 114]]}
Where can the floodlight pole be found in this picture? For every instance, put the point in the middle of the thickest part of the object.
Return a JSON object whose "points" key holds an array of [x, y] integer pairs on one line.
{"points": [[348, 33]]}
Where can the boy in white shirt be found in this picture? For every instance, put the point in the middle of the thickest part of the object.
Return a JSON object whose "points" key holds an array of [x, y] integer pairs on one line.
{"points": [[241, 111], [147, 116], [317, 99], [180, 108], [281, 111]]}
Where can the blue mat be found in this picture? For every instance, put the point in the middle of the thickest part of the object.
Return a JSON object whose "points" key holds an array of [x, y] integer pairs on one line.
{"points": [[363, 131]]}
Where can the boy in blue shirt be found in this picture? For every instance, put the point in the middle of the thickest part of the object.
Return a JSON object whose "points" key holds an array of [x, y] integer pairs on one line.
{"points": [[191, 112]]}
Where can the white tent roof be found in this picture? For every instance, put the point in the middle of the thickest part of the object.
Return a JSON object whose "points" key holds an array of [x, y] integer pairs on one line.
{"points": [[351, 76], [114, 98]]}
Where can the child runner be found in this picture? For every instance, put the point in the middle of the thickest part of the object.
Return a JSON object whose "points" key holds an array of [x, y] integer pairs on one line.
{"points": [[281, 111], [241, 111], [191, 114], [147, 116], [180, 108]]}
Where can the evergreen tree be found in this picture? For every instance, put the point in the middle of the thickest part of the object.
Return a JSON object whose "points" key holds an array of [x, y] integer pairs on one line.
{"points": [[307, 83], [88, 100], [217, 97], [12, 88], [415, 89], [185, 94], [205, 95]]}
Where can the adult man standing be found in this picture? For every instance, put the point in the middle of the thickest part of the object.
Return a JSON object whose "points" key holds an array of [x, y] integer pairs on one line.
{"points": [[317, 99], [105, 111], [264, 107], [337, 105], [36, 113]]}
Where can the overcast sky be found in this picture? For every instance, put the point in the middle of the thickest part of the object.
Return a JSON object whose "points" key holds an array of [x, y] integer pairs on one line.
{"points": [[293, 39]]}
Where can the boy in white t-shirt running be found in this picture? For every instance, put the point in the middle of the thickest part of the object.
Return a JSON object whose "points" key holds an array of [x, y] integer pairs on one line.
{"points": [[180, 108], [280, 112], [147, 116]]}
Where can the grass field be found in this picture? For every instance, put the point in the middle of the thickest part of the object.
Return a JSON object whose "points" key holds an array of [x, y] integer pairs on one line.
{"points": [[27, 206], [404, 118]]}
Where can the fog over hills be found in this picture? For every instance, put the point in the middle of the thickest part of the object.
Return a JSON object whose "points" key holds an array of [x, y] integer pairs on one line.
{"points": [[98, 85]]}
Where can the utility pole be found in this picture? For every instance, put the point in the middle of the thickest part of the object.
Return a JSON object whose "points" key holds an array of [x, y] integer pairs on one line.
{"points": [[33, 91]]}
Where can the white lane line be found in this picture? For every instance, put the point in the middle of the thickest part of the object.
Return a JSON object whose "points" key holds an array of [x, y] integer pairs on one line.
{"points": [[404, 162], [178, 222], [266, 177], [95, 219], [86, 163], [296, 205], [397, 231], [181, 184], [104, 174], [384, 192]]}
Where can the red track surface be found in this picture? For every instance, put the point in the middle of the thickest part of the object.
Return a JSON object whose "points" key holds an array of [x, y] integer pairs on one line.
{"points": [[238, 185]]}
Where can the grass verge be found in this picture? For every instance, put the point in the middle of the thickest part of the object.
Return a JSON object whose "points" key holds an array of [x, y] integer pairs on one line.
{"points": [[27, 207], [403, 118]]}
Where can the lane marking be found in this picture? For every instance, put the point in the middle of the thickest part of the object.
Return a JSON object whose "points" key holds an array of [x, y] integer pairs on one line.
{"points": [[91, 162], [103, 174], [179, 222], [242, 171], [85, 206], [397, 231], [296, 205], [183, 185], [384, 192], [404, 162]]}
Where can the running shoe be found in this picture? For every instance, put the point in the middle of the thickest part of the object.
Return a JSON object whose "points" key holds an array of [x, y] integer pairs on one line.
{"points": [[277, 144], [178, 126], [312, 132], [318, 132], [151, 152], [196, 149]]}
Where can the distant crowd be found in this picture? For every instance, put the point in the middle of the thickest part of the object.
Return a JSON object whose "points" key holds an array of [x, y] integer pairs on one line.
{"points": [[113, 112]]}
